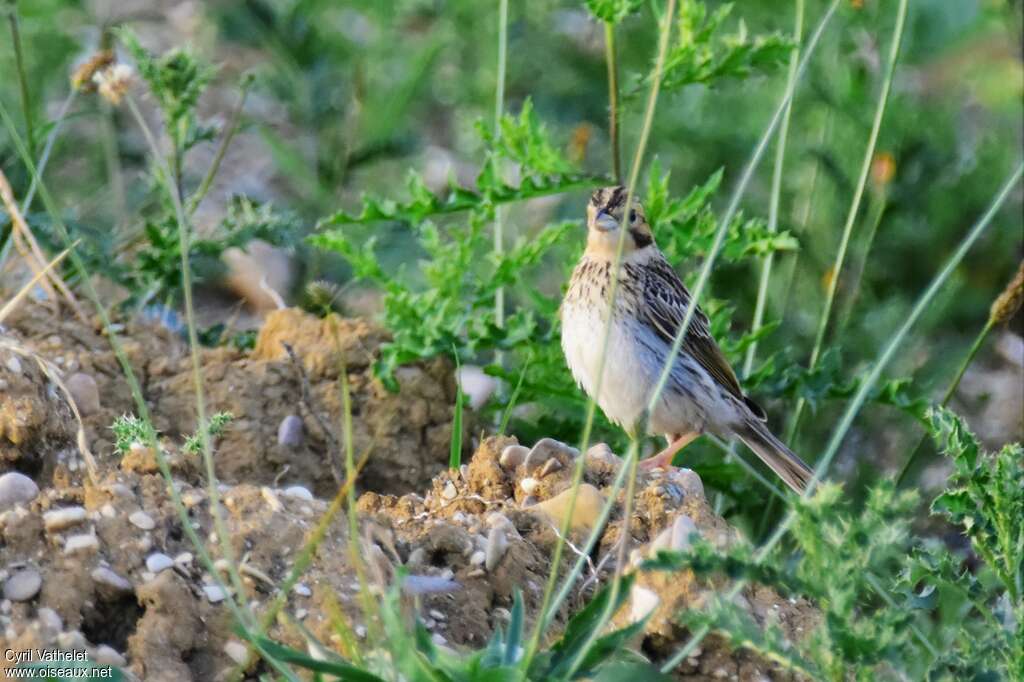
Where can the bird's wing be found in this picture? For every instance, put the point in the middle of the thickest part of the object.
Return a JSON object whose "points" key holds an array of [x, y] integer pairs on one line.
{"points": [[666, 302]]}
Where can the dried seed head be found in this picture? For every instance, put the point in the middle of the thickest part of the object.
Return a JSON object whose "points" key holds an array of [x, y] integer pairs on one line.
{"points": [[1009, 302], [113, 82], [82, 77]]}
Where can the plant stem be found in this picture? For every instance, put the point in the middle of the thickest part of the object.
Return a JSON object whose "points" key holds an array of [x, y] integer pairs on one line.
{"points": [[861, 396], [211, 174], [876, 209], [777, 174], [851, 216], [19, 63], [979, 341], [184, 236], [664, 31], [499, 110], [613, 98]]}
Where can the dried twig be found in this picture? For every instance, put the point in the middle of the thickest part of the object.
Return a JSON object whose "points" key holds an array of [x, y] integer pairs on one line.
{"points": [[29, 248], [306, 391]]}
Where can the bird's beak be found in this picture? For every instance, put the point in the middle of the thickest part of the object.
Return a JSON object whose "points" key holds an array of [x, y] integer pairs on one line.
{"points": [[605, 222]]}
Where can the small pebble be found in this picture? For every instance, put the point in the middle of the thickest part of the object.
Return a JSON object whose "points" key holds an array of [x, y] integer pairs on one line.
{"points": [[236, 651], [50, 620], [23, 585], [642, 602], [290, 432], [108, 511], [107, 655], [513, 455], [683, 530], [13, 365], [301, 589], [214, 593], [141, 519], [476, 384], [84, 392], [550, 467], [529, 485], [105, 576], [437, 615], [184, 559], [271, 499], [158, 561], [690, 482], [59, 519], [16, 489], [298, 492], [477, 558], [85, 542], [450, 492], [497, 545], [545, 449], [437, 638]]}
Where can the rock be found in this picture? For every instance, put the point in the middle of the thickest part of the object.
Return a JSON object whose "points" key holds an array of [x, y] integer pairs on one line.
{"points": [[214, 593], [86, 542], [529, 485], [450, 492], [682, 531], [59, 519], [642, 602], [141, 519], [589, 502], [550, 467], [84, 392], [51, 620], [105, 577], [16, 489], [290, 432], [476, 385], [107, 655], [298, 492], [236, 651], [477, 558], [497, 544], [13, 365], [302, 590], [23, 585], [545, 449], [689, 481], [157, 562], [601, 457], [513, 455]]}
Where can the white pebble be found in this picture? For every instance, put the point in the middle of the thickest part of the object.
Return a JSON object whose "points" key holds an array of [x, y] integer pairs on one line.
{"points": [[683, 532], [236, 651], [84, 392], [158, 561], [477, 558], [298, 492], [513, 455], [23, 585], [106, 655], [142, 520], [214, 593], [184, 559], [449, 492], [529, 485], [290, 432], [301, 589], [107, 577], [642, 602], [81, 543], [271, 499], [59, 519], [16, 489], [13, 365]]}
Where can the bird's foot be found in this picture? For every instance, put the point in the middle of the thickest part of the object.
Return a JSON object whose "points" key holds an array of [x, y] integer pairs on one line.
{"points": [[662, 460]]}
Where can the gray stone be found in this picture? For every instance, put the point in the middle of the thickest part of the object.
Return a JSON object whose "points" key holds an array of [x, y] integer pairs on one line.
{"points": [[16, 489], [290, 432], [84, 392], [23, 585]]}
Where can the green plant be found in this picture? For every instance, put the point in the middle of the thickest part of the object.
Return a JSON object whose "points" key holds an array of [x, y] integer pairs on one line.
{"points": [[193, 444]]}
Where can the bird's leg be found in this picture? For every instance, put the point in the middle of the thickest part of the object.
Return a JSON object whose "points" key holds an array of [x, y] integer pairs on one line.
{"points": [[663, 460]]}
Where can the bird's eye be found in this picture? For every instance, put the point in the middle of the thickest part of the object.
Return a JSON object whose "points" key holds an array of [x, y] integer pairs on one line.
{"points": [[632, 216]]}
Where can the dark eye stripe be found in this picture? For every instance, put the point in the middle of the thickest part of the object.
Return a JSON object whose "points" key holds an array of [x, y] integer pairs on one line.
{"points": [[640, 238]]}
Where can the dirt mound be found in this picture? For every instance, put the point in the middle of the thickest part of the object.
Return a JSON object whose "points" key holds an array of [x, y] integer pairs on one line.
{"points": [[106, 565]]}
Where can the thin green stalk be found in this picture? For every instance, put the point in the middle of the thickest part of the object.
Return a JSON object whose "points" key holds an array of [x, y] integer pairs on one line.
{"points": [[876, 209], [197, 372], [733, 206], [922, 304], [664, 32], [777, 175], [112, 161], [613, 98], [19, 64], [851, 216], [499, 111], [26, 204], [135, 388], [979, 341], [211, 173]]}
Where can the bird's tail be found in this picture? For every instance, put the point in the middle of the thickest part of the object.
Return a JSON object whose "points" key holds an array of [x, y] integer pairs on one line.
{"points": [[775, 454]]}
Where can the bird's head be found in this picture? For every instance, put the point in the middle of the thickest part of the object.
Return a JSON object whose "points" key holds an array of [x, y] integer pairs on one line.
{"points": [[607, 214]]}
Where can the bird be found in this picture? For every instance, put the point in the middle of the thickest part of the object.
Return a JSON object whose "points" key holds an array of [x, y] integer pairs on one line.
{"points": [[702, 394]]}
